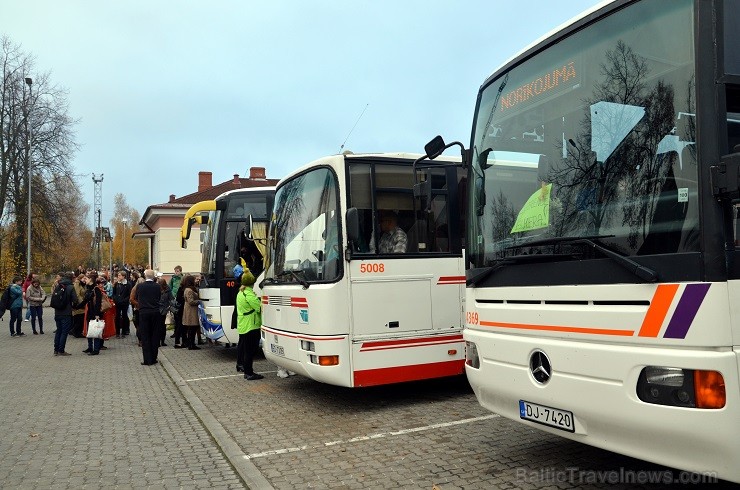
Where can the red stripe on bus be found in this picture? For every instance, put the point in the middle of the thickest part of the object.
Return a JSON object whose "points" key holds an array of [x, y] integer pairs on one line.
{"points": [[299, 302], [658, 310], [400, 374], [451, 280], [561, 328], [411, 342]]}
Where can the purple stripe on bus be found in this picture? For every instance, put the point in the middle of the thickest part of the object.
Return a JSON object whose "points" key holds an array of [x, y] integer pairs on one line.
{"points": [[687, 308]]}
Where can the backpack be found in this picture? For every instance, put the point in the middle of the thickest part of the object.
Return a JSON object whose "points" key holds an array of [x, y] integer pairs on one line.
{"points": [[5, 300], [59, 298], [174, 306]]}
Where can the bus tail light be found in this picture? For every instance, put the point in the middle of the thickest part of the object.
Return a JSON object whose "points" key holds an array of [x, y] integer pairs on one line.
{"points": [[471, 355], [325, 360], [671, 386]]}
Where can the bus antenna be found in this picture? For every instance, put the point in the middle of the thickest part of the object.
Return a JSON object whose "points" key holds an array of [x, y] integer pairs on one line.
{"points": [[353, 127]]}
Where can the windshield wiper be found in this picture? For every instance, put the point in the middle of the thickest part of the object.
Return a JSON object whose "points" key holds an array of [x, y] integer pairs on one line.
{"points": [[644, 273], [478, 275], [557, 239], [267, 280], [292, 273]]}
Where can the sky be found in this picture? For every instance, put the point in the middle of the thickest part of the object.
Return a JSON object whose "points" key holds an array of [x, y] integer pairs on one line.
{"points": [[164, 89]]}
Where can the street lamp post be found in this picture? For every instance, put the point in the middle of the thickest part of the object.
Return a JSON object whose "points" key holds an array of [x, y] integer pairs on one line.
{"points": [[29, 82], [123, 258]]}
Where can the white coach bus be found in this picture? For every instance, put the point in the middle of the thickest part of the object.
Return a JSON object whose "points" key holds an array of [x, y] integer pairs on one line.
{"points": [[603, 289], [337, 306], [233, 225]]}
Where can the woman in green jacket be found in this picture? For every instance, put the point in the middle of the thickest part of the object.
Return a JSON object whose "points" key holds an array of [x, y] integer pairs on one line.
{"points": [[248, 323]]}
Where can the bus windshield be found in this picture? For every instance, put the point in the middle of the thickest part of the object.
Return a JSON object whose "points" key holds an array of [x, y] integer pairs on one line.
{"points": [[305, 244], [225, 240], [593, 137], [210, 243]]}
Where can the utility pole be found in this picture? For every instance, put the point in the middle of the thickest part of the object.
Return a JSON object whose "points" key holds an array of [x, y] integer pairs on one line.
{"points": [[29, 82], [97, 205]]}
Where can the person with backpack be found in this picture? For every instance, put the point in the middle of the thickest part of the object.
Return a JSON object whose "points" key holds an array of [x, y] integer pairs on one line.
{"points": [[63, 297], [15, 305], [35, 297]]}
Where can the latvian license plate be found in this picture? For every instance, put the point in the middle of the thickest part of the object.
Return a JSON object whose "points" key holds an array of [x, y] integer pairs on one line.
{"points": [[553, 417], [278, 350]]}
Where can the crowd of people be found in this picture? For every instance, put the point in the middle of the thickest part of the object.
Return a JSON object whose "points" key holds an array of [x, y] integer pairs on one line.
{"points": [[132, 294]]}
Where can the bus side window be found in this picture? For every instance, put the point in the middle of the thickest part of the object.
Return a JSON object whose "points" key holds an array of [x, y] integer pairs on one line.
{"points": [[441, 238], [417, 237]]}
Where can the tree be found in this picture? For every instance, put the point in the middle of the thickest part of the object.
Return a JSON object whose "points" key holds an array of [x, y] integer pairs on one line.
{"points": [[136, 250], [37, 142]]}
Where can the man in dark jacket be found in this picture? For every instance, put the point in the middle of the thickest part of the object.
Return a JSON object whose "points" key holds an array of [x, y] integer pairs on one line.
{"points": [[148, 294], [63, 315], [121, 293]]}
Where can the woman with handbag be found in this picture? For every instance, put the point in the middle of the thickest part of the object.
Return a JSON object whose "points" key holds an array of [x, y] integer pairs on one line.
{"points": [[93, 300], [191, 299]]}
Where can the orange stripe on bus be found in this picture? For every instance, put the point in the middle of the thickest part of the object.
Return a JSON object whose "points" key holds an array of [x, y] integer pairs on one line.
{"points": [[561, 328], [658, 310]]}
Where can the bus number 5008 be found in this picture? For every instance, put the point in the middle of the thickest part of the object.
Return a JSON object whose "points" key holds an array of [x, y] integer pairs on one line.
{"points": [[372, 268]]}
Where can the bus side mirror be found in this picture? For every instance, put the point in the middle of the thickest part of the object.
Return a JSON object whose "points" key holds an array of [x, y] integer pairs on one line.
{"points": [[435, 147], [353, 225]]}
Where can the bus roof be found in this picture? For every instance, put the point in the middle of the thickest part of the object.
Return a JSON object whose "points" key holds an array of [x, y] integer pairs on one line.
{"points": [[245, 190], [335, 159], [556, 33]]}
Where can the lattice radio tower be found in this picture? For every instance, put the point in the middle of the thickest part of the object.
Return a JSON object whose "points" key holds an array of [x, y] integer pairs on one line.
{"points": [[97, 205]]}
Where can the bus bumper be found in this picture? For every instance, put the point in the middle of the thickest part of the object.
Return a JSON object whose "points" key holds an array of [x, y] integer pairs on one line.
{"points": [[597, 383]]}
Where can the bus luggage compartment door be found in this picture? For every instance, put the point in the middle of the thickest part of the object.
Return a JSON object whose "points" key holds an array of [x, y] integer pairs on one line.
{"points": [[391, 305]]}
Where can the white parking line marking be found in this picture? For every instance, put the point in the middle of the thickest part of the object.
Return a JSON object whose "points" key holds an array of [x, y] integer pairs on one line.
{"points": [[370, 437], [224, 376]]}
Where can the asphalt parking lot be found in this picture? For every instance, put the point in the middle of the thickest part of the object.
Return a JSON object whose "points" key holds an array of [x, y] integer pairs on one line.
{"points": [[193, 422]]}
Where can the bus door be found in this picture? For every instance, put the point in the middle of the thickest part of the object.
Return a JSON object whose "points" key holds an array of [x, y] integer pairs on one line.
{"points": [[403, 254]]}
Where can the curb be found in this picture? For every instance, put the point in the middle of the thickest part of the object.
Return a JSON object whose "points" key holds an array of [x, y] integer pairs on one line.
{"points": [[247, 471]]}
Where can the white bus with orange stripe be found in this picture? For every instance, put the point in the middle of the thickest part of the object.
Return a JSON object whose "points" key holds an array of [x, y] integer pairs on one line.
{"points": [[604, 271], [337, 311]]}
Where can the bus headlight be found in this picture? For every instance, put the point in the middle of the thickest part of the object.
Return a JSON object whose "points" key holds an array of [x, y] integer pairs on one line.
{"points": [[665, 376], [307, 345], [678, 387], [471, 355]]}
